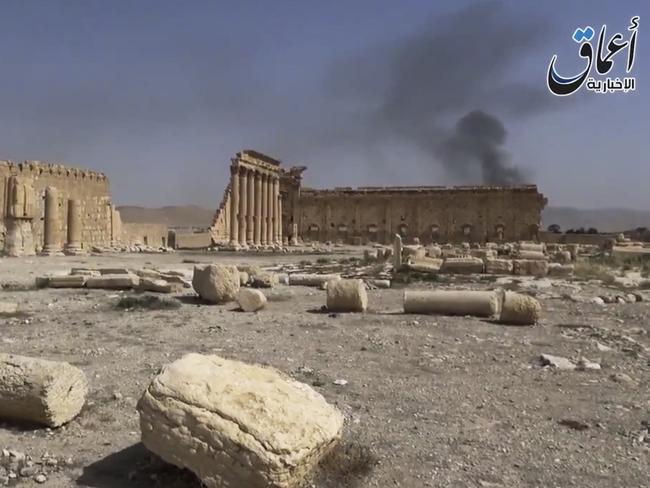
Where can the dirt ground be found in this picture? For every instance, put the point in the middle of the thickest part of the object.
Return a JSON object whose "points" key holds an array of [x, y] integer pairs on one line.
{"points": [[430, 401]]}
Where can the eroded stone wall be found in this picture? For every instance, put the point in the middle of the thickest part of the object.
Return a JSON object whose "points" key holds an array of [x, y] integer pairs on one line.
{"points": [[89, 187], [432, 214]]}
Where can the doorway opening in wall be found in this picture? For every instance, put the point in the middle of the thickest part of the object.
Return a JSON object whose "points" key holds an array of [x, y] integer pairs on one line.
{"points": [[163, 242], [467, 230], [145, 240], [403, 230], [313, 232], [499, 232], [435, 233]]}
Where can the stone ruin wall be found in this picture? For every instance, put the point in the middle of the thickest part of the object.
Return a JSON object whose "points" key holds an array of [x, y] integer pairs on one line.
{"points": [[375, 214], [432, 214], [100, 221]]}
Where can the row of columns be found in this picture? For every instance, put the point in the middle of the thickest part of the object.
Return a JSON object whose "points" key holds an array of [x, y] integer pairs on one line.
{"points": [[51, 225], [255, 208]]}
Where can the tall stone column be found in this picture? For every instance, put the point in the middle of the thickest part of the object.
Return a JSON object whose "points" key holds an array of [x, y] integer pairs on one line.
{"points": [[250, 216], [269, 211], [276, 211], [243, 205], [280, 223], [51, 237], [234, 205], [73, 245], [257, 234], [265, 196]]}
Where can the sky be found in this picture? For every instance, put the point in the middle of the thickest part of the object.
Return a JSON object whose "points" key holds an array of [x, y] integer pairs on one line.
{"points": [[160, 94]]}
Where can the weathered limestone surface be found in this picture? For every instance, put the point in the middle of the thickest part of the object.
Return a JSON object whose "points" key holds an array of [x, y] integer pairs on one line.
{"points": [[300, 279], [347, 296], [113, 281], [251, 300], [397, 251], [527, 254], [156, 285], [498, 266], [424, 265], [519, 309], [236, 425], [70, 281], [535, 267], [557, 269], [451, 302], [216, 283], [462, 265], [35, 390], [264, 280]]}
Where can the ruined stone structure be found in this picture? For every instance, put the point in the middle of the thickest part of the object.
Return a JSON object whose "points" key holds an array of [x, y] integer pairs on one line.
{"points": [[51, 209], [367, 214]]}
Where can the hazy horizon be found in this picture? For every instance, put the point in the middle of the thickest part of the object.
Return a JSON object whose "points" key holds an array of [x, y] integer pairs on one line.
{"points": [[160, 95]]}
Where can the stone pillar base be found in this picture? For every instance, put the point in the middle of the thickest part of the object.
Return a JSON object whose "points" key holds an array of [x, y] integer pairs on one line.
{"points": [[51, 251], [75, 250]]}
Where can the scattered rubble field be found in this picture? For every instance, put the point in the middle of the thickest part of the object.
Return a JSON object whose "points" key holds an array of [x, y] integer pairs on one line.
{"points": [[428, 400]]}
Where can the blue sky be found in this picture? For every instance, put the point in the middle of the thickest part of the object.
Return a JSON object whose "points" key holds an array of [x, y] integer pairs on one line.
{"points": [[160, 94]]}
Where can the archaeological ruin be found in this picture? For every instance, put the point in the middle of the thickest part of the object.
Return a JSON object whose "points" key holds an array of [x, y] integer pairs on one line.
{"points": [[51, 209], [266, 205]]}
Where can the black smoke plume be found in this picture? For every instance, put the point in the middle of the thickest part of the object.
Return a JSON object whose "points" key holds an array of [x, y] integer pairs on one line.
{"points": [[461, 66]]}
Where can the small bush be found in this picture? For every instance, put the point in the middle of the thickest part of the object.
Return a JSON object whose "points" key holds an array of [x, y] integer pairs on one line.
{"points": [[346, 465], [147, 302]]}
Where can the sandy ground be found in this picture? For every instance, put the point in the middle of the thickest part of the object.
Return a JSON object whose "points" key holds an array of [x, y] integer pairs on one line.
{"points": [[429, 400]]}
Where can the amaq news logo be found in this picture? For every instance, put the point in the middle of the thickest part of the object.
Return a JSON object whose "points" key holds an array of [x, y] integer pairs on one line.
{"points": [[563, 86]]}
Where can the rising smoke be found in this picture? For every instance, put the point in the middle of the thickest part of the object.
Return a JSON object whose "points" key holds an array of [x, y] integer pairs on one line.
{"points": [[442, 88]]}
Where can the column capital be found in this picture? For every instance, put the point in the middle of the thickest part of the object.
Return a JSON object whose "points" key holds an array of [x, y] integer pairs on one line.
{"points": [[234, 169]]}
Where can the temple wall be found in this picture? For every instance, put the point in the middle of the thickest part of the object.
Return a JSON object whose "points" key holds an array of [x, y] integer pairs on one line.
{"points": [[91, 188], [154, 235], [457, 214]]}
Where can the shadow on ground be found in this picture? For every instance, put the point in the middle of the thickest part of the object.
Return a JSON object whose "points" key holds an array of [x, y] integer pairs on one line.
{"points": [[134, 467]]}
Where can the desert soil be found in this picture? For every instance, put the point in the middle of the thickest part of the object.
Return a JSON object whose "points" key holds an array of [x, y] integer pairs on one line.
{"points": [[429, 400]]}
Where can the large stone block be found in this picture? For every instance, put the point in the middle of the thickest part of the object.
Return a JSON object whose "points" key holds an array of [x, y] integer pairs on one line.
{"points": [[467, 265], [251, 300], [347, 296], [216, 283], [35, 390], [264, 280], [498, 266], [300, 279], [534, 267], [236, 425]]}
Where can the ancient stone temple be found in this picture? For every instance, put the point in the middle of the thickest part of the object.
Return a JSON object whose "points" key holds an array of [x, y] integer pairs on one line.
{"points": [[366, 214], [52, 209]]}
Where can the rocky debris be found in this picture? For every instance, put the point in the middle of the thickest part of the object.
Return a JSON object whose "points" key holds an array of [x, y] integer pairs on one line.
{"points": [[563, 257], [424, 264], [585, 364], [465, 265], [557, 269], [498, 266], [85, 272], [251, 300], [156, 285], [264, 280], [623, 378], [557, 362], [216, 283], [453, 302], [519, 309], [299, 279], [147, 302], [250, 269], [346, 296], [372, 284], [534, 267], [238, 425], [283, 278], [414, 252], [121, 281], [531, 246], [40, 391], [434, 251]]}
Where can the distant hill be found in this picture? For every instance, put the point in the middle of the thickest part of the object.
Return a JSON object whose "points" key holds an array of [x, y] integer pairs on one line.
{"points": [[603, 219], [172, 216]]}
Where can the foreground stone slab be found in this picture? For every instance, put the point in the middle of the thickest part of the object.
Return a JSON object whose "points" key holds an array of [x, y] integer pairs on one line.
{"points": [[113, 282], [157, 285], [424, 265], [347, 296], [216, 283], [236, 425], [8, 308], [35, 390], [453, 302], [251, 300]]}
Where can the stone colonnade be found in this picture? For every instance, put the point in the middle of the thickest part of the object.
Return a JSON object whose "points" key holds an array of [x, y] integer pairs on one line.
{"points": [[255, 207], [52, 239]]}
